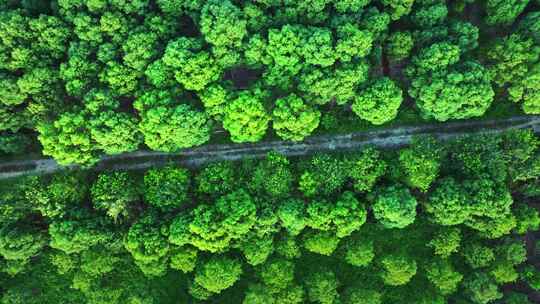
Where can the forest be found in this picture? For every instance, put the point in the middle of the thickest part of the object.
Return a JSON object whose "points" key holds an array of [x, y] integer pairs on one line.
{"points": [[80, 79], [431, 223]]}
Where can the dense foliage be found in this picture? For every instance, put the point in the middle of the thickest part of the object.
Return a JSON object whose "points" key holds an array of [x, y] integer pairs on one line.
{"points": [[87, 78], [430, 223]]}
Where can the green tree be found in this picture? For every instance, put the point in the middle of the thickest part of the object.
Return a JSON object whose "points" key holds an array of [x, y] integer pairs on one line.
{"points": [[114, 192], [167, 188], [358, 295], [504, 12], [481, 288], [420, 163], [397, 269], [395, 207], [321, 242], [399, 45], [246, 118], [321, 285], [292, 215], [379, 102], [193, 68], [359, 252], [442, 274], [216, 179], [148, 246], [21, 241], [366, 168], [218, 273], [277, 274], [293, 119], [184, 258], [272, 175], [446, 242], [324, 174]]}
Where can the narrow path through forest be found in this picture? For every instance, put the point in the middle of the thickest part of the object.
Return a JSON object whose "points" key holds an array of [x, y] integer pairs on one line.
{"points": [[382, 138]]}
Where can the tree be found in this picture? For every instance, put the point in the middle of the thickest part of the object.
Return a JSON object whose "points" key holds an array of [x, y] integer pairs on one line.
{"points": [[366, 169], [113, 193], [291, 213], [323, 174], [20, 241], [216, 179], [379, 102], [277, 274], [148, 246], [399, 8], [321, 285], [528, 219], [504, 12], [448, 204], [395, 207], [167, 188], [446, 242], [68, 140], [115, 132], [193, 68], [293, 119], [339, 84], [478, 256], [184, 258], [481, 288], [78, 234], [359, 252], [513, 64], [321, 242], [460, 92], [169, 129], [420, 163], [218, 273], [397, 269], [399, 45], [357, 295], [246, 118], [443, 275], [272, 176]]}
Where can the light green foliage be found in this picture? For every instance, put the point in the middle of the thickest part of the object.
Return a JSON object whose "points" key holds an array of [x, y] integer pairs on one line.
{"points": [[379, 102], [222, 24], [420, 163], [343, 217], [21, 242], [167, 188], [218, 273], [321, 242], [359, 252], [399, 45], [527, 218], [324, 85], [77, 235], [256, 249], [358, 295], [322, 286], [504, 12], [293, 119], [216, 179], [115, 132], [291, 213], [446, 242], [56, 195], [443, 275], [215, 99], [148, 246], [114, 193], [514, 66], [395, 207], [433, 58], [366, 169], [287, 247], [246, 118], [272, 176], [430, 14], [170, 128], [184, 258], [481, 288], [213, 227], [277, 274], [460, 92], [68, 140], [399, 8], [193, 68], [478, 256], [324, 174], [397, 269], [352, 42], [139, 50]]}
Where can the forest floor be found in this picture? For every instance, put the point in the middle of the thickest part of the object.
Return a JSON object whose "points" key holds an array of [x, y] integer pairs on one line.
{"points": [[389, 138]]}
